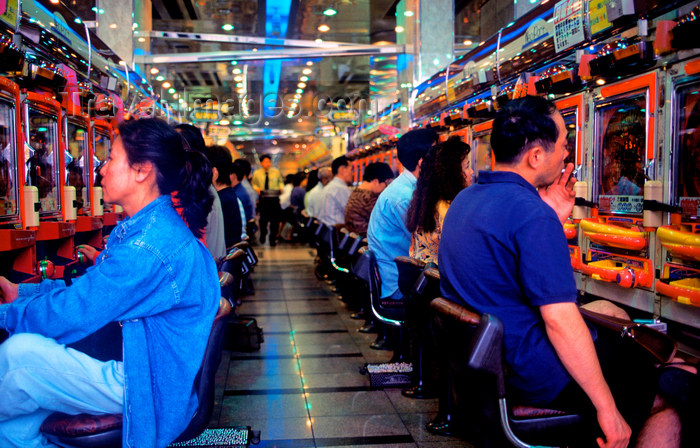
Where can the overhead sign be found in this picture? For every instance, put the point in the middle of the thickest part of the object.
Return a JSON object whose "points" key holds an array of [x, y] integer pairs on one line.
{"points": [[342, 115], [568, 24], [204, 115], [9, 10]]}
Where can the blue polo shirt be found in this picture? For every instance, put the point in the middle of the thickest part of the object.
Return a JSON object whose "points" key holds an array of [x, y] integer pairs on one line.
{"points": [[387, 234], [503, 252]]}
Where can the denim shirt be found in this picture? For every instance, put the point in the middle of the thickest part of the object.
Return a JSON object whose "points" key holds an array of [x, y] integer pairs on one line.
{"points": [[161, 284], [387, 234]]}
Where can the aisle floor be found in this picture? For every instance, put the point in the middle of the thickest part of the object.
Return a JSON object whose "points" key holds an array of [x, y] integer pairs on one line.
{"points": [[303, 388]]}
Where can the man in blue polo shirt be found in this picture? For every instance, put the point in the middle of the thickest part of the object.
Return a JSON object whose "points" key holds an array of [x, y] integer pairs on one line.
{"points": [[387, 234], [503, 252]]}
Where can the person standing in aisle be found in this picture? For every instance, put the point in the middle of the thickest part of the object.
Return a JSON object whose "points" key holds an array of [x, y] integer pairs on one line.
{"points": [[267, 182]]}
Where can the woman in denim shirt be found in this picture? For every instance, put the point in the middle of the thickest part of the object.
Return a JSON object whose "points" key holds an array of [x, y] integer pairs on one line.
{"points": [[154, 277]]}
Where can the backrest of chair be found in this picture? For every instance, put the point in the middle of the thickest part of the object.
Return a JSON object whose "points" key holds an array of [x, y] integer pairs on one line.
{"points": [[204, 382], [485, 353], [410, 269], [375, 281]]}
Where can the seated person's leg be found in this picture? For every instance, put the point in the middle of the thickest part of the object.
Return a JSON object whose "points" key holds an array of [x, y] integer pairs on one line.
{"points": [[632, 378], [39, 376]]}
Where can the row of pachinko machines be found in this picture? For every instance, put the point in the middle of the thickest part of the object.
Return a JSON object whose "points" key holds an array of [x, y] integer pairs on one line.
{"points": [[628, 86]]}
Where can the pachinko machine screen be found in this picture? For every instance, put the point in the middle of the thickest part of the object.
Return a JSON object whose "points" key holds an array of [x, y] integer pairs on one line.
{"points": [[481, 148], [570, 122], [77, 163], [41, 156], [622, 140], [102, 148], [688, 144], [9, 186]]}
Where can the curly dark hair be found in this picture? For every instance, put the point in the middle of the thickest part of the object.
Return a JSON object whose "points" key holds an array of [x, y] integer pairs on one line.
{"points": [[441, 178]]}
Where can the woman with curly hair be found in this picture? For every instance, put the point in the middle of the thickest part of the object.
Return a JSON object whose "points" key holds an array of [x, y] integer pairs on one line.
{"points": [[446, 170]]}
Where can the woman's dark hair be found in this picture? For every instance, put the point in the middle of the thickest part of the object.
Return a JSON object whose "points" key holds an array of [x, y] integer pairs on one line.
{"points": [[220, 158], [441, 178], [187, 172], [522, 124], [298, 178], [313, 180], [193, 137]]}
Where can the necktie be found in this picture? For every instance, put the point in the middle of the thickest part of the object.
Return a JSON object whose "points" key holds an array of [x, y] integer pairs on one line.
{"points": [[267, 182]]}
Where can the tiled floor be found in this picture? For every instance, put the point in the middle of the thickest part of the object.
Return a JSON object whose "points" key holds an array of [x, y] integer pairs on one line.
{"points": [[303, 388]]}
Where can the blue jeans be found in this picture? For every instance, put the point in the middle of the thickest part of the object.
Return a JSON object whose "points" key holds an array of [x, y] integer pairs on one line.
{"points": [[38, 376]]}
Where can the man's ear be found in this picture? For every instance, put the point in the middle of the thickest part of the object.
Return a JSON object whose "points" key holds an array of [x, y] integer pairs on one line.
{"points": [[535, 156], [214, 174], [143, 170]]}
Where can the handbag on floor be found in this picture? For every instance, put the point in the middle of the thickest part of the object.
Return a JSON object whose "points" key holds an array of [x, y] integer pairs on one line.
{"points": [[243, 335]]}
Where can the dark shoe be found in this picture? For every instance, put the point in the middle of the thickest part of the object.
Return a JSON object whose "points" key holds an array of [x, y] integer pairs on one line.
{"points": [[381, 344]]}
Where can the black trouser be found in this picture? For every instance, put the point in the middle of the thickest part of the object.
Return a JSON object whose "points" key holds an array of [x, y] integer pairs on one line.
{"points": [[270, 211]]}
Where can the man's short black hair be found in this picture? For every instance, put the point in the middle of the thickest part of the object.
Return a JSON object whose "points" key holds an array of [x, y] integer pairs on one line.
{"points": [[413, 145], [377, 170], [338, 162], [220, 158], [265, 156], [241, 168], [522, 124]]}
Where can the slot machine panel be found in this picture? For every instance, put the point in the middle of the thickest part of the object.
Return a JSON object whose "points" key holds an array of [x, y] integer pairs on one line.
{"points": [[624, 135], [680, 279], [17, 244], [42, 158], [482, 154], [9, 169], [571, 110], [77, 162]]}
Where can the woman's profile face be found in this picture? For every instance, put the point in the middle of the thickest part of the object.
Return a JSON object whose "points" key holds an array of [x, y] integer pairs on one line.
{"points": [[117, 175], [467, 169]]}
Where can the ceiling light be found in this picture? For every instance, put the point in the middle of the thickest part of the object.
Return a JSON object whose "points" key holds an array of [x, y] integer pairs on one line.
{"points": [[154, 71], [267, 123], [113, 26], [234, 62], [55, 2], [467, 42], [324, 28], [306, 71], [239, 84], [318, 41], [227, 27], [171, 90], [304, 78], [330, 11], [309, 63], [166, 85], [399, 29], [255, 49], [240, 91], [176, 95], [224, 122], [297, 95], [160, 78], [300, 91], [236, 71], [142, 39], [600, 82], [238, 78], [301, 85], [299, 120], [408, 13]]}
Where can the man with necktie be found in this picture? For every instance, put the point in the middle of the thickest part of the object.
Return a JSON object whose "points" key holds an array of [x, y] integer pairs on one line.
{"points": [[267, 182]]}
